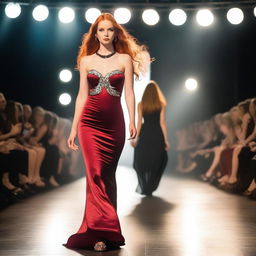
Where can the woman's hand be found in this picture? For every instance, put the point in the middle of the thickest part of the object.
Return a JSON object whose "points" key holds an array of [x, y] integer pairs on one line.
{"points": [[71, 140], [134, 142], [167, 145], [16, 129], [252, 146], [133, 131]]}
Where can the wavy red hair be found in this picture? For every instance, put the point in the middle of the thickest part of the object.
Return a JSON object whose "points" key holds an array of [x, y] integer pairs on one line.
{"points": [[125, 43]]}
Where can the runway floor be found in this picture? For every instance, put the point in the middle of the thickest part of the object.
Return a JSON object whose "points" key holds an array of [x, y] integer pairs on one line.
{"points": [[184, 218]]}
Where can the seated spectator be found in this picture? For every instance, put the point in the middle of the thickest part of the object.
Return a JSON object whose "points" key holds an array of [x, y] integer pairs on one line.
{"points": [[44, 123], [229, 162]]}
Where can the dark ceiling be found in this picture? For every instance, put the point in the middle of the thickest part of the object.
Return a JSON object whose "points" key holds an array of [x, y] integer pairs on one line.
{"points": [[142, 2]]}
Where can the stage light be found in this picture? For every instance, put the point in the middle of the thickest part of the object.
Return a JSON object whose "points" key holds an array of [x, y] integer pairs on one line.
{"points": [[66, 15], [235, 16], [65, 99], [92, 14], [40, 12], [12, 10], [204, 17], [65, 75], [150, 17], [177, 17], [191, 84], [254, 11], [122, 15]]}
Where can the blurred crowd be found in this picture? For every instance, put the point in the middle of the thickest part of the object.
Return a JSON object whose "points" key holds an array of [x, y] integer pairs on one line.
{"points": [[34, 156], [222, 150]]}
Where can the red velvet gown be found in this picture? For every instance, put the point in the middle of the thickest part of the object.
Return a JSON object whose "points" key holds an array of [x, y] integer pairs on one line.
{"points": [[101, 133]]}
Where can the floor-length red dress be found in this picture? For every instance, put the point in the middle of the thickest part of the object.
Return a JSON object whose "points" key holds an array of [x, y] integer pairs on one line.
{"points": [[101, 133]]}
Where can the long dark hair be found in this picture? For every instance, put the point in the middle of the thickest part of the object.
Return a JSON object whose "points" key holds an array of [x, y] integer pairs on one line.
{"points": [[11, 115]]}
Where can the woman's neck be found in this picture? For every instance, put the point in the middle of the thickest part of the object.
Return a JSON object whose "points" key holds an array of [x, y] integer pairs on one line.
{"points": [[106, 49]]}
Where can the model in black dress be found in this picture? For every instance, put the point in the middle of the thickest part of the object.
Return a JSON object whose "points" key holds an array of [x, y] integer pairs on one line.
{"points": [[151, 143]]}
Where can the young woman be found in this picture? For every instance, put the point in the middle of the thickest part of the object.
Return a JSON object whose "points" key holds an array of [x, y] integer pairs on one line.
{"points": [[108, 58], [222, 160], [151, 142], [44, 123]]}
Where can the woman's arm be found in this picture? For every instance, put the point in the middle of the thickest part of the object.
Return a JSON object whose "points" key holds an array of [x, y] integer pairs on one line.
{"points": [[163, 127], [40, 133], [250, 137], [139, 124], [80, 101], [15, 130], [245, 122], [129, 94]]}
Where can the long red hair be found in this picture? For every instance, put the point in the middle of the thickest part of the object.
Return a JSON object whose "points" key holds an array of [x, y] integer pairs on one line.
{"points": [[124, 43]]}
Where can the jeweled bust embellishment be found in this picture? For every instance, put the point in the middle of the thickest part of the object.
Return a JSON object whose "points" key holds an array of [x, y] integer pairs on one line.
{"points": [[104, 82]]}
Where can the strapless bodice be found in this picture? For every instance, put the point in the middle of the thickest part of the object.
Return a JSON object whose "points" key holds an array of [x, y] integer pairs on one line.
{"points": [[113, 82]]}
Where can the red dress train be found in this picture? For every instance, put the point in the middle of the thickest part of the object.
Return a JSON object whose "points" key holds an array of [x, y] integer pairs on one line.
{"points": [[101, 133]]}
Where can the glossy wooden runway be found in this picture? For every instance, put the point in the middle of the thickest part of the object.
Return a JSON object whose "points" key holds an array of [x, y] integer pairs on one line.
{"points": [[184, 218]]}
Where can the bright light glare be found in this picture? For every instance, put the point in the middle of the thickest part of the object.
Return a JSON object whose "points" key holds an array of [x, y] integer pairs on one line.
{"points": [[177, 17], [122, 15], [65, 75], [92, 14], [65, 99], [150, 17], [191, 84], [235, 16], [12, 10], [204, 17], [66, 15], [40, 12]]}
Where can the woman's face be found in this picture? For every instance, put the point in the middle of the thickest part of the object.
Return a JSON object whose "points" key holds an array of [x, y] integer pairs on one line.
{"points": [[235, 115], [252, 109], [105, 32], [39, 117], [27, 112], [2, 102], [18, 113], [240, 112]]}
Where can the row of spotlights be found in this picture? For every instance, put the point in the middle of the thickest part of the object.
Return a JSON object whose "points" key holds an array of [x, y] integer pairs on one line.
{"points": [[151, 17], [190, 84], [65, 76]]}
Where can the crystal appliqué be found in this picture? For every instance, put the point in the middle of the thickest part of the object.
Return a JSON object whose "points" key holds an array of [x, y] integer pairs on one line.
{"points": [[104, 82]]}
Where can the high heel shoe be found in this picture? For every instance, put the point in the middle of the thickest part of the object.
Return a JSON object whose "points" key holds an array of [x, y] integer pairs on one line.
{"points": [[231, 187], [100, 246], [18, 192], [247, 192], [205, 178], [28, 189], [8, 194]]}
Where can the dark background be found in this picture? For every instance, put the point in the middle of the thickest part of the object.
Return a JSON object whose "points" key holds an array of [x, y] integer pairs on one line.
{"points": [[221, 57]]}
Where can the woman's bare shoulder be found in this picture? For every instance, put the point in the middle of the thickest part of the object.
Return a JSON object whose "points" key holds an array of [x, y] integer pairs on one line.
{"points": [[86, 59], [125, 57]]}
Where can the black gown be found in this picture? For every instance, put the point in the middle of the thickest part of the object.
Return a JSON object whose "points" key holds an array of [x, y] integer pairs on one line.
{"points": [[150, 156]]}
